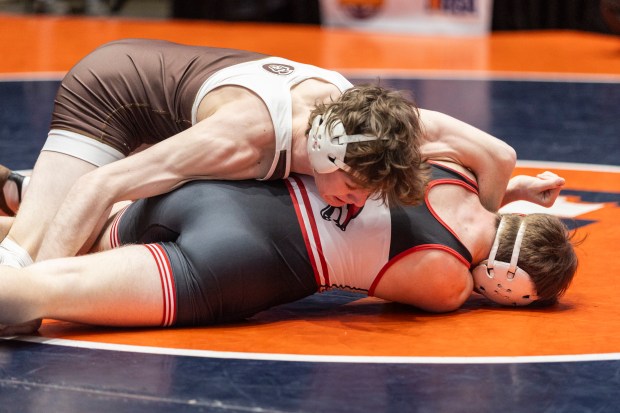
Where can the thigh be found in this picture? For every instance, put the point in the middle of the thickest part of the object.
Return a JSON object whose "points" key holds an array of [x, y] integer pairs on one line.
{"points": [[119, 287], [5, 225], [52, 177]]}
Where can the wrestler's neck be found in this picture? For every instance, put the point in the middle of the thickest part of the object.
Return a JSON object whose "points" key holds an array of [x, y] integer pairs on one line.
{"points": [[300, 162], [485, 234]]}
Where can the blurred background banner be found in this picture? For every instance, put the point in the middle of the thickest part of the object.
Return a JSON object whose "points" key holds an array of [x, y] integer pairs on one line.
{"points": [[432, 17]]}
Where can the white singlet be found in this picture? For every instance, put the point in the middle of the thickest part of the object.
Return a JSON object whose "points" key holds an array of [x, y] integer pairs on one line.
{"points": [[271, 79], [348, 258]]}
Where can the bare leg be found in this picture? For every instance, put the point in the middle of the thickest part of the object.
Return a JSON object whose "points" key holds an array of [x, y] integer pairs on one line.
{"points": [[52, 177], [120, 287], [5, 225]]}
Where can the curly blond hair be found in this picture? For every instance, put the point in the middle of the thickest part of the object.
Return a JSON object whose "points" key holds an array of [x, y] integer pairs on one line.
{"points": [[391, 167]]}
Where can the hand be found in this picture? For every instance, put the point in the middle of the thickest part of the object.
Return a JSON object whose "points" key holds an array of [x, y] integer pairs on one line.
{"points": [[542, 189], [20, 329]]}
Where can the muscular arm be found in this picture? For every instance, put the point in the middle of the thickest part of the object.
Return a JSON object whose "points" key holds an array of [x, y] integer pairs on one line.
{"points": [[221, 146], [491, 160], [542, 189]]}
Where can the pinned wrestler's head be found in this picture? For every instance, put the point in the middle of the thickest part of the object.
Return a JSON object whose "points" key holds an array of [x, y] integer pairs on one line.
{"points": [[366, 143], [532, 260]]}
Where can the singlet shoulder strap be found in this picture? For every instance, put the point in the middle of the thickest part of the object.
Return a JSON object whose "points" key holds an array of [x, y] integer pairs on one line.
{"points": [[419, 227]]}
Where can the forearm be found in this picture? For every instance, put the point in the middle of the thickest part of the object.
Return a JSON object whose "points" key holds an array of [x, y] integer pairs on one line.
{"points": [[494, 178], [513, 192], [77, 219], [90, 199], [542, 189], [493, 164], [491, 160]]}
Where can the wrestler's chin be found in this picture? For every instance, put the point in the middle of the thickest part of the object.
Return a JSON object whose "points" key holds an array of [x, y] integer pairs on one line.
{"points": [[333, 200]]}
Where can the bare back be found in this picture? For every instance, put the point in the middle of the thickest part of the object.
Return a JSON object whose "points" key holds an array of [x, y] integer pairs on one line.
{"points": [[435, 279]]}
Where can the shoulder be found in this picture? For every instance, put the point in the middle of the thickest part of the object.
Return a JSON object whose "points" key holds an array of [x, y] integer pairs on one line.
{"points": [[432, 280]]}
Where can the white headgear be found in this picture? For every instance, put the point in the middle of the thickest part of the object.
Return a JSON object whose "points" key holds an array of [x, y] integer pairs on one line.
{"points": [[327, 148], [503, 282]]}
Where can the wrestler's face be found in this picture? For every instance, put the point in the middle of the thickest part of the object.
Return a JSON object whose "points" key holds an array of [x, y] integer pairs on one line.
{"points": [[339, 189]]}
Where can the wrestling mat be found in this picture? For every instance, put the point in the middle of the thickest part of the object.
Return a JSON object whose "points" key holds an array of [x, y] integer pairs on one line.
{"points": [[555, 100]]}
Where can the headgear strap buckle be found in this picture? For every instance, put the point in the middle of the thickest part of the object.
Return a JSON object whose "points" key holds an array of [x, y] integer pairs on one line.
{"points": [[502, 282]]}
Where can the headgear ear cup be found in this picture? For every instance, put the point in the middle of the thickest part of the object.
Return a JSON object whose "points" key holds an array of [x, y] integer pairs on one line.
{"points": [[503, 282], [327, 148]]}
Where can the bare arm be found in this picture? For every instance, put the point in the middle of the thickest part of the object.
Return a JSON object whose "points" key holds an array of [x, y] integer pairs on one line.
{"points": [[221, 146], [491, 160], [430, 280], [542, 189]]}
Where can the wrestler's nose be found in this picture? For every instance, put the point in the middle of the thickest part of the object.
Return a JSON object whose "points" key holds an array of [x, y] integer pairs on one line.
{"points": [[358, 197]]}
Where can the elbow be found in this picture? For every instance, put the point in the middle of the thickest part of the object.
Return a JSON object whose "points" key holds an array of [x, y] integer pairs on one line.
{"points": [[508, 157], [93, 184], [447, 304], [452, 297], [511, 156]]}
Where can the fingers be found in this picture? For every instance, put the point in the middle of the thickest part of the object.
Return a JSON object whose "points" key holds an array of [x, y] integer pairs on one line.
{"points": [[552, 177], [550, 196]]}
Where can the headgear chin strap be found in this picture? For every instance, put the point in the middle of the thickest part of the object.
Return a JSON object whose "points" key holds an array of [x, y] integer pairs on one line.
{"points": [[503, 282], [327, 148]]}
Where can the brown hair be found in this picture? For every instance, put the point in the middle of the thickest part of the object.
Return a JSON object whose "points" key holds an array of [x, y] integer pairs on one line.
{"points": [[547, 253], [390, 167]]}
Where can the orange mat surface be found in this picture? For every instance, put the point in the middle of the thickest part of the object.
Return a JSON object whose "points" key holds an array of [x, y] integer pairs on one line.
{"points": [[586, 321]]}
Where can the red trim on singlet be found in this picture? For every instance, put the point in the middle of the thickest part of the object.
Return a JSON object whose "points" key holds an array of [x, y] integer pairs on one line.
{"points": [[473, 183], [444, 181], [371, 290], [114, 240], [471, 186], [167, 284], [315, 233]]}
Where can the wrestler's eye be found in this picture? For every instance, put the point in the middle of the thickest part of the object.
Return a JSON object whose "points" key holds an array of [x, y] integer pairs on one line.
{"points": [[352, 185]]}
